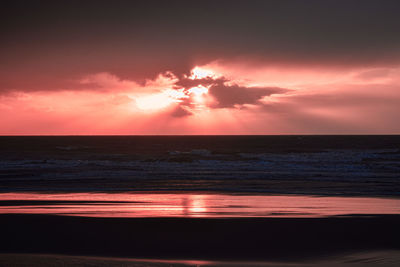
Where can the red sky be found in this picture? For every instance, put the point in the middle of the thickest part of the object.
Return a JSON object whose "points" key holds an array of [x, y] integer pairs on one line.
{"points": [[248, 68]]}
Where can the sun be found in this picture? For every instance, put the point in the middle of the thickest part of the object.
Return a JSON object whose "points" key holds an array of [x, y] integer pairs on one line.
{"points": [[198, 93], [198, 90], [201, 73]]}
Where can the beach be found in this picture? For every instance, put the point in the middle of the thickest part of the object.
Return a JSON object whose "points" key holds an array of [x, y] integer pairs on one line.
{"points": [[381, 258], [200, 201]]}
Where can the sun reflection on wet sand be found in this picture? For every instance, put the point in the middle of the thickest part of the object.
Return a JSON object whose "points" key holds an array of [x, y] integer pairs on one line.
{"points": [[191, 205]]}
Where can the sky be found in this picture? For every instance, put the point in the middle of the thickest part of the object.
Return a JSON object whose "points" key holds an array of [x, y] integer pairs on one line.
{"points": [[199, 67]]}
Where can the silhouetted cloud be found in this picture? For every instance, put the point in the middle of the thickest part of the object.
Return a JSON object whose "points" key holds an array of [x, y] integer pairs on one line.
{"points": [[229, 96]]}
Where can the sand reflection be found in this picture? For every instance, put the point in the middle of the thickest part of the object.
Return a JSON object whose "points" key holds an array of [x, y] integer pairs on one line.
{"points": [[192, 205]]}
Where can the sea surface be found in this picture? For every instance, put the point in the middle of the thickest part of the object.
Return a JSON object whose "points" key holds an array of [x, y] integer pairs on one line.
{"points": [[205, 176]]}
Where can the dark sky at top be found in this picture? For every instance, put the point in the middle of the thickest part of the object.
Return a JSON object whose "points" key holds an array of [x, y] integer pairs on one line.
{"points": [[47, 43]]}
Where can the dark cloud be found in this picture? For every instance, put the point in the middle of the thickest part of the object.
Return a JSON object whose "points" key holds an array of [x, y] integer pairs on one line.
{"points": [[229, 96], [226, 94], [46, 44]]}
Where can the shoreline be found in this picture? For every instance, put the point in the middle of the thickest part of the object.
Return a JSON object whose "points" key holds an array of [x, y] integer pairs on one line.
{"points": [[198, 192]]}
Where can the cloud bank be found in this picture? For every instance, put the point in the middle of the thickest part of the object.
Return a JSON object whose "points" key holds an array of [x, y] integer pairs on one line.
{"points": [[209, 67]]}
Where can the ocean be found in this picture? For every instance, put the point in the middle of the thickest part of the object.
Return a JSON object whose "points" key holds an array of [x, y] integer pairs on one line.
{"points": [[300, 165]]}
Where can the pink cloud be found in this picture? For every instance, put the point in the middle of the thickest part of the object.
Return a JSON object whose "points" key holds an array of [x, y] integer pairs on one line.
{"points": [[228, 99]]}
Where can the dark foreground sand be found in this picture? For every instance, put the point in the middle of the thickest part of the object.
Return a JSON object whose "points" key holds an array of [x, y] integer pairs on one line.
{"points": [[375, 258], [332, 240]]}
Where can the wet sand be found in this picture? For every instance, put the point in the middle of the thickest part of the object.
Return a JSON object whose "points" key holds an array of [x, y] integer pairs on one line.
{"points": [[204, 205]]}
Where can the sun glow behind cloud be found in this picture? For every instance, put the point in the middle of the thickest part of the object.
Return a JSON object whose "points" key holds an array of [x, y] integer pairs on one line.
{"points": [[160, 100], [198, 90], [217, 98], [170, 95], [201, 73]]}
